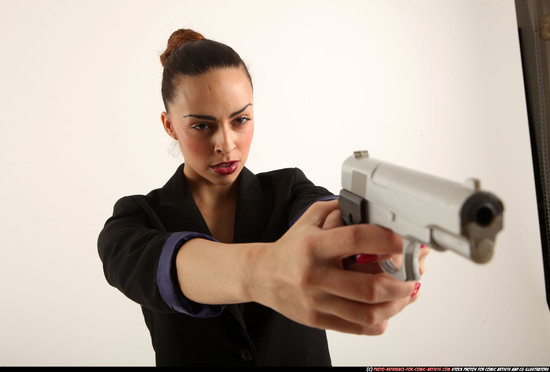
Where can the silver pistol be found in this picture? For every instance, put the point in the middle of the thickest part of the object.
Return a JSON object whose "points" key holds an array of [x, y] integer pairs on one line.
{"points": [[422, 209]]}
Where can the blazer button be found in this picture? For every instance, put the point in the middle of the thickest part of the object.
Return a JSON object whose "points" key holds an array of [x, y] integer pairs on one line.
{"points": [[245, 354]]}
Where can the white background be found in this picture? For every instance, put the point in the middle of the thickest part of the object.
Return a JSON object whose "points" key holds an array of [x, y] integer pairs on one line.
{"points": [[435, 85]]}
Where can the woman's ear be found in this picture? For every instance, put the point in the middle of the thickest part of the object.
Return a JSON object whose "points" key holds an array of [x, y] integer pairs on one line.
{"points": [[168, 126]]}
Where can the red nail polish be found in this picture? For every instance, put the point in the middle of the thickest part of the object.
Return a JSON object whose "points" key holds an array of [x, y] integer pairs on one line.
{"points": [[422, 246], [365, 258], [416, 288]]}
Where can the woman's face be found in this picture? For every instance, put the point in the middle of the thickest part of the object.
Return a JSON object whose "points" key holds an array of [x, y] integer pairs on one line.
{"points": [[213, 120]]}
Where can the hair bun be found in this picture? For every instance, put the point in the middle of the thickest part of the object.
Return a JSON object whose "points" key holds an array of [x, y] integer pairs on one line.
{"points": [[177, 39]]}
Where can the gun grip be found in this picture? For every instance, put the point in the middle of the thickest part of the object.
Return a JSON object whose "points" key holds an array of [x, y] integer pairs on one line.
{"points": [[409, 268], [352, 208]]}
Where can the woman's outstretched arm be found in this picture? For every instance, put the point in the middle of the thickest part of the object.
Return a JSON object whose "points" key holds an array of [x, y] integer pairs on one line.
{"points": [[302, 275]]}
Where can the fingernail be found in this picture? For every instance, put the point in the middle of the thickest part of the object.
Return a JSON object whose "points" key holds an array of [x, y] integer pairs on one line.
{"points": [[422, 246], [365, 258], [416, 288]]}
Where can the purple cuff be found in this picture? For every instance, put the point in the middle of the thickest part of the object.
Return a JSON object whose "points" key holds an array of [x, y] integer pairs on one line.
{"points": [[167, 279]]}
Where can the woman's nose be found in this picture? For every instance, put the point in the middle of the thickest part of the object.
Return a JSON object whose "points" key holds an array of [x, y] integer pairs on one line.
{"points": [[225, 143]]}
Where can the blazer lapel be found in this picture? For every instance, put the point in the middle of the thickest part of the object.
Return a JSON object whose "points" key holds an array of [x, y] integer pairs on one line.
{"points": [[253, 206], [178, 208]]}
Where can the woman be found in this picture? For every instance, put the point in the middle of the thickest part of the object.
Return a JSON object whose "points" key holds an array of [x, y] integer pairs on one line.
{"points": [[233, 268]]}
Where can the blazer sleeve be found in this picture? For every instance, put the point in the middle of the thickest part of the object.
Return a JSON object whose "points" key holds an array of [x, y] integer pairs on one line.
{"points": [[138, 257], [303, 194], [130, 247], [167, 279]]}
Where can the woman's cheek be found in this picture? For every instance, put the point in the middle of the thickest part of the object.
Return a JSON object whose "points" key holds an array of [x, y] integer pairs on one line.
{"points": [[247, 137], [193, 147]]}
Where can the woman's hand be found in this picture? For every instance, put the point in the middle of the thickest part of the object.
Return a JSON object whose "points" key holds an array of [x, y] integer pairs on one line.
{"points": [[369, 263], [304, 275]]}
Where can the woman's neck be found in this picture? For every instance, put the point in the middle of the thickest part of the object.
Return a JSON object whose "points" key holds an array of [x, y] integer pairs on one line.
{"points": [[207, 193], [217, 204], [213, 196]]}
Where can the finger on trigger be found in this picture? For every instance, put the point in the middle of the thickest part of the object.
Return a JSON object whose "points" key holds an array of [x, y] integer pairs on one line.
{"points": [[351, 240]]}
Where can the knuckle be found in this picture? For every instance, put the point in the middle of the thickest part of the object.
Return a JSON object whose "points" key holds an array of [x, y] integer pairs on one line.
{"points": [[312, 318], [306, 278], [378, 329], [357, 329], [308, 246], [369, 319], [353, 235], [303, 279], [372, 291], [309, 302], [305, 272], [394, 240]]}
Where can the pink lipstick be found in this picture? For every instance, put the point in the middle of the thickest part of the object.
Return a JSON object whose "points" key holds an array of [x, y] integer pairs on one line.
{"points": [[225, 168]]}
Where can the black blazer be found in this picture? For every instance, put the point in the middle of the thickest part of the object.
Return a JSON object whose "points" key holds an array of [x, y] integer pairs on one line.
{"points": [[130, 245]]}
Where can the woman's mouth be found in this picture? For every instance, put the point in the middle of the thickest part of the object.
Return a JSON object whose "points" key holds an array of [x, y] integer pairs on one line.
{"points": [[225, 168]]}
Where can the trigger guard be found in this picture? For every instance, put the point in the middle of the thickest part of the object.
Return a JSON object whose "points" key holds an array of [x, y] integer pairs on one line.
{"points": [[409, 270]]}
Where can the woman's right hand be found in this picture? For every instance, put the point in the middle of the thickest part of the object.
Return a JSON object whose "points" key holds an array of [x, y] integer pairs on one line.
{"points": [[303, 277]]}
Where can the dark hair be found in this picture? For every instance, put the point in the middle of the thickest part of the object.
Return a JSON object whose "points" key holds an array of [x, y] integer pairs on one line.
{"points": [[189, 53]]}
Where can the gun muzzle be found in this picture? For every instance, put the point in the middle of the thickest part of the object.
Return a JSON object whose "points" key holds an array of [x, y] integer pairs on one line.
{"points": [[481, 218]]}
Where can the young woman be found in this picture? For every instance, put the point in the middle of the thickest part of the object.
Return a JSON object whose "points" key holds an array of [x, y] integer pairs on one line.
{"points": [[232, 268]]}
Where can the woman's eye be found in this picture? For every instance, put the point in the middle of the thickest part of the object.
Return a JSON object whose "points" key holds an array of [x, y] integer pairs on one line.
{"points": [[201, 126], [242, 120]]}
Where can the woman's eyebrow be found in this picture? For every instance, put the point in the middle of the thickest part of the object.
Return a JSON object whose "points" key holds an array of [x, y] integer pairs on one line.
{"points": [[239, 111], [208, 117], [202, 117]]}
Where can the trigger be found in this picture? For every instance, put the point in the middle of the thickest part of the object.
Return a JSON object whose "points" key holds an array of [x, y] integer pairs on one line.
{"points": [[410, 270]]}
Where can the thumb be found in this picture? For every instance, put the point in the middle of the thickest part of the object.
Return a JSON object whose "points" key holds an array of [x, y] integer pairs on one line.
{"points": [[334, 219], [318, 213]]}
